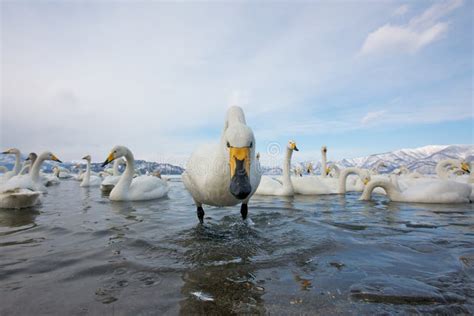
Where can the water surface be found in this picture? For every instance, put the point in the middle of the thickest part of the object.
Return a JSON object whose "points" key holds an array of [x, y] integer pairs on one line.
{"points": [[78, 253]]}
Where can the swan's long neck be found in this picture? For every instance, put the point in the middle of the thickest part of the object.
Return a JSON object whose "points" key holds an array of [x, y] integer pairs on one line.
{"points": [[286, 177], [443, 164], [26, 167], [34, 171], [343, 177], [323, 164], [392, 191], [87, 176], [17, 167], [127, 176]]}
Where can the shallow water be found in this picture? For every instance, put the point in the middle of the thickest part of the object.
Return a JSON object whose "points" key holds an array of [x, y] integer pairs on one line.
{"points": [[78, 253]]}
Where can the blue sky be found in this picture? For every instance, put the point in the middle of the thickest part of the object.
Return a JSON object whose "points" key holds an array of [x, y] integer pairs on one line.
{"points": [[358, 76]]}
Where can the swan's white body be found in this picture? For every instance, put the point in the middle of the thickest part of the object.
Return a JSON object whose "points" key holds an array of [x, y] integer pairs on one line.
{"points": [[23, 191], [271, 186], [314, 185], [109, 182], [89, 180], [16, 168], [208, 176], [434, 191], [134, 189]]}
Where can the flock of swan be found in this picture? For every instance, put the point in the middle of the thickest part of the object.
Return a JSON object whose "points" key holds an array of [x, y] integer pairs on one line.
{"points": [[228, 173]]}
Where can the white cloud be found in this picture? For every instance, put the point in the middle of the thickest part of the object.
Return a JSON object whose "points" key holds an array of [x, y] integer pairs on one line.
{"points": [[372, 116], [420, 31]]}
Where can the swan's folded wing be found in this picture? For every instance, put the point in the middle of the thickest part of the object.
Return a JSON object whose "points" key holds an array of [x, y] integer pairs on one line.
{"points": [[148, 187]]}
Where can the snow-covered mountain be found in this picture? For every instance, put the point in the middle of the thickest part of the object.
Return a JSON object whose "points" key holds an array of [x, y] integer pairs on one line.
{"points": [[422, 159], [141, 166]]}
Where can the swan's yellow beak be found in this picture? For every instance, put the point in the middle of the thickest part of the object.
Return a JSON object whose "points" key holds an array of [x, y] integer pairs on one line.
{"points": [[365, 181], [54, 158], [239, 162], [328, 170], [465, 167], [239, 154], [109, 159]]}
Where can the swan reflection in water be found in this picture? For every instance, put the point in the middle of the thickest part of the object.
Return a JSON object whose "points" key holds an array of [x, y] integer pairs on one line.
{"points": [[221, 277]]}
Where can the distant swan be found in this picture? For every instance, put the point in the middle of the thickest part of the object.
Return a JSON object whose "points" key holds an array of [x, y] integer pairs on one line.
{"points": [[89, 180], [134, 189], [441, 167], [272, 186], [435, 191], [315, 185], [23, 191]]}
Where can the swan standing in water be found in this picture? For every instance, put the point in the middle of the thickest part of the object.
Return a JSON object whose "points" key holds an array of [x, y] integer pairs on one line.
{"points": [[16, 168], [24, 191], [272, 186], [134, 189], [227, 173], [89, 180], [435, 191]]}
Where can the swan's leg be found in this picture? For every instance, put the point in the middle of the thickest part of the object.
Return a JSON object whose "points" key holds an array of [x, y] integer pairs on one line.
{"points": [[244, 210], [200, 214]]}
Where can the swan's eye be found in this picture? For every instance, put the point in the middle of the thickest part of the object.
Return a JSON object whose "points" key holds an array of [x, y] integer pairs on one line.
{"points": [[228, 145], [251, 144]]}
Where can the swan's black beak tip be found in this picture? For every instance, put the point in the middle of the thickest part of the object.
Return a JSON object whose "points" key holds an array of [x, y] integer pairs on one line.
{"points": [[240, 186], [296, 149], [105, 163]]}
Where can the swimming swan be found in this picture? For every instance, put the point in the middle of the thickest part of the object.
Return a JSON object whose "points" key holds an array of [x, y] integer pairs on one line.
{"points": [[134, 189], [24, 190], [435, 191], [441, 167], [272, 186], [227, 173], [89, 180]]}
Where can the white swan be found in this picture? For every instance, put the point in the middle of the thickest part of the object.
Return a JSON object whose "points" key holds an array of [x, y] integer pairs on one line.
{"points": [[272, 186], [89, 180], [324, 168], [30, 160], [134, 189], [315, 185], [228, 173], [24, 190], [435, 191], [442, 166], [358, 185], [109, 182], [16, 168]]}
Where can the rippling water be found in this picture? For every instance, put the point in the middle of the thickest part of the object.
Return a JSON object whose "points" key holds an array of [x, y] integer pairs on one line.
{"points": [[78, 253]]}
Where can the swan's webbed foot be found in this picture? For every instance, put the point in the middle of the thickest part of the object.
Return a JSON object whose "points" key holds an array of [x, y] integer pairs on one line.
{"points": [[200, 214], [244, 210]]}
